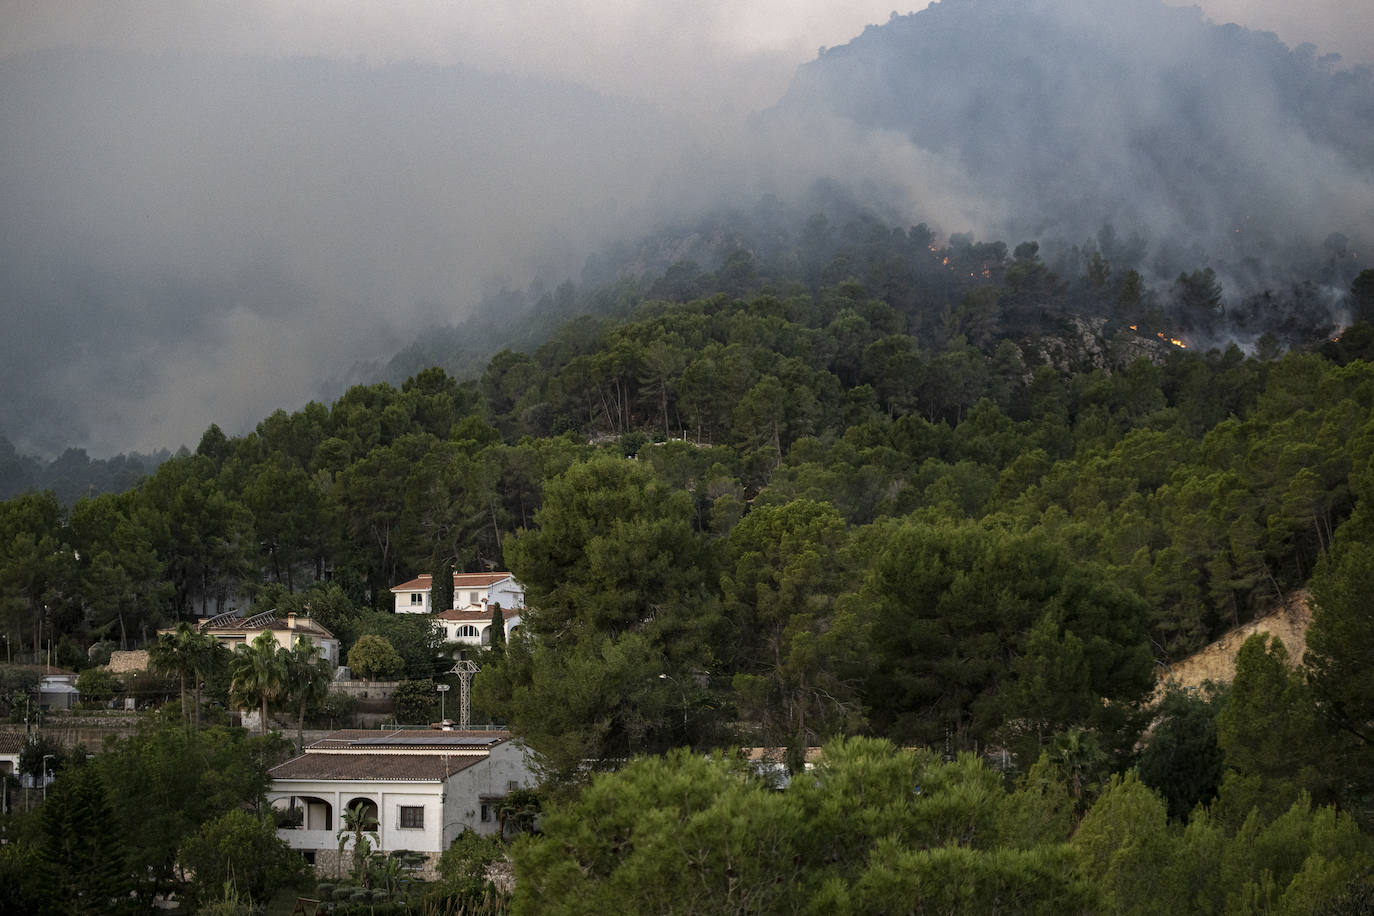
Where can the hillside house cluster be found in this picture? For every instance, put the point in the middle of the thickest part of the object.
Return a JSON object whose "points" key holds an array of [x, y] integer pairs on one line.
{"points": [[470, 619], [418, 789]]}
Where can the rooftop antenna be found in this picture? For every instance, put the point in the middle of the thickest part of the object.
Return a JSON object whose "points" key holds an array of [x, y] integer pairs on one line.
{"points": [[465, 670]]}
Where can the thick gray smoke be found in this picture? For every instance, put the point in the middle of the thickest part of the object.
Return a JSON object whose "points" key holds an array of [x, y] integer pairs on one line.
{"points": [[1213, 143], [190, 240], [211, 210], [1217, 145]]}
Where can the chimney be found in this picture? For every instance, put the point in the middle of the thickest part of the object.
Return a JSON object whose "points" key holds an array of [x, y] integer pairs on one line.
{"points": [[291, 620]]}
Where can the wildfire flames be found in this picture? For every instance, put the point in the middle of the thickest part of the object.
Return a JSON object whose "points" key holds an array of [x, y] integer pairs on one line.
{"points": [[1160, 334]]}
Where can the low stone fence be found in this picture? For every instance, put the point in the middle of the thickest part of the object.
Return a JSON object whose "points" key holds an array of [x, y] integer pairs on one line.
{"points": [[373, 698], [88, 732], [365, 690]]}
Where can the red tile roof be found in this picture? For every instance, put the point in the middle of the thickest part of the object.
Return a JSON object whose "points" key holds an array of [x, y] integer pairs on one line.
{"points": [[409, 767], [470, 615], [418, 584], [377, 739], [423, 581], [478, 580]]}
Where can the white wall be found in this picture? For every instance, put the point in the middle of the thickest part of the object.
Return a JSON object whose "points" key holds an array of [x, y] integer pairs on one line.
{"points": [[388, 796], [508, 763], [404, 605]]}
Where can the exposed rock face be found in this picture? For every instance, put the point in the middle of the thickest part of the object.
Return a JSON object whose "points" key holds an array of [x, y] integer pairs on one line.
{"points": [[1091, 343], [127, 662], [1217, 662]]}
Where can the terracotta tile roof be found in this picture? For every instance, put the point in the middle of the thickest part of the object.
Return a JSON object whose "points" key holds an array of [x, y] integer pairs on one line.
{"points": [[389, 741], [468, 615], [460, 580], [418, 584], [411, 767], [478, 580], [11, 742]]}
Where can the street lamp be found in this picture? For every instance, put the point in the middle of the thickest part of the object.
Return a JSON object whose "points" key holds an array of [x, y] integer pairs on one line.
{"points": [[46, 758], [669, 677], [443, 689]]}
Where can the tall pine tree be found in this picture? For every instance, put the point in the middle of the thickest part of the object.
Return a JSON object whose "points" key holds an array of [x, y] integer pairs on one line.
{"points": [[82, 846]]}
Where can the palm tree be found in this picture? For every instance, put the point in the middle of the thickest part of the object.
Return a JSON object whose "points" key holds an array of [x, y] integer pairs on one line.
{"points": [[307, 680], [186, 653], [257, 674], [357, 818]]}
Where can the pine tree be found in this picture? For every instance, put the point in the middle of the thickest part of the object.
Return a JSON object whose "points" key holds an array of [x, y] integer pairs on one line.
{"points": [[81, 846]]}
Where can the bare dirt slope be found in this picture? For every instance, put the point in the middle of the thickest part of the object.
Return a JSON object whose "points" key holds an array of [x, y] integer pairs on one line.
{"points": [[1217, 662]]}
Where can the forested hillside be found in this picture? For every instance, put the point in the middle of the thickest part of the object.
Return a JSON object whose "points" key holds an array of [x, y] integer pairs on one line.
{"points": [[72, 474], [937, 493]]}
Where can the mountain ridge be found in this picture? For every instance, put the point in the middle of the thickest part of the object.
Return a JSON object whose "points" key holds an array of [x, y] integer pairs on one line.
{"points": [[1205, 138]]}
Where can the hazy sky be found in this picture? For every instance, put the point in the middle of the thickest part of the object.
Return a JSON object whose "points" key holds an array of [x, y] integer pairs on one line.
{"points": [[636, 47], [250, 238]]}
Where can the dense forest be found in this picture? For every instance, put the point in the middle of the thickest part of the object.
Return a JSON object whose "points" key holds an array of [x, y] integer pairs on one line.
{"points": [[867, 483]]}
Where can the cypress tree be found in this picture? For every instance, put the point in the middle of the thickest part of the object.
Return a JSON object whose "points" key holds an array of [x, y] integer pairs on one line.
{"points": [[498, 627], [441, 588]]}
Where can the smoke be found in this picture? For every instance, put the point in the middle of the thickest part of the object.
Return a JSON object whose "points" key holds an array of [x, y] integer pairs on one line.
{"points": [[1218, 145], [208, 210], [187, 223]]}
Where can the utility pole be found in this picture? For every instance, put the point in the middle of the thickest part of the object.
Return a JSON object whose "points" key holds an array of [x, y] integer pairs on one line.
{"points": [[465, 670]]}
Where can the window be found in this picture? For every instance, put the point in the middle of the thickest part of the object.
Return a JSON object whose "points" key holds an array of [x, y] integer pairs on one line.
{"points": [[412, 816], [486, 813], [473, 598], [417, 598], [466, 630]]}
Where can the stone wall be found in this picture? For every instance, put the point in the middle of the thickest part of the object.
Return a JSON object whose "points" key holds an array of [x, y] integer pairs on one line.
{"points": [[365, 690], [327, 865], [127, 662]]}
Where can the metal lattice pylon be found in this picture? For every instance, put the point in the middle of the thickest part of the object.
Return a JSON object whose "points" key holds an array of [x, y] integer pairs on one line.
{"points": [[465, 670]]}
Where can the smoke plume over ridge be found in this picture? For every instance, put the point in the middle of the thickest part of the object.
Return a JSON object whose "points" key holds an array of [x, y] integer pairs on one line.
{"points": [[212, 210]]}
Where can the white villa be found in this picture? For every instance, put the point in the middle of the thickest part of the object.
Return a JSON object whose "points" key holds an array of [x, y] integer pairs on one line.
{"points": [[419, 788], [469, 621], [470, 591]]}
